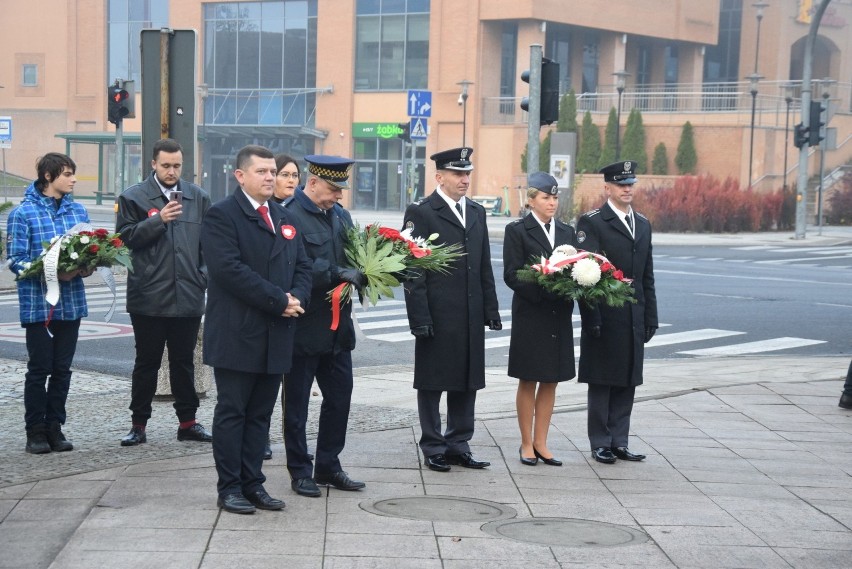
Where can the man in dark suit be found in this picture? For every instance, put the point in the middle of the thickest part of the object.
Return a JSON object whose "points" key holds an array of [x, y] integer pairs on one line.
{"points": [[612, 341], [321, 352], [260, 282], [448, 313]]}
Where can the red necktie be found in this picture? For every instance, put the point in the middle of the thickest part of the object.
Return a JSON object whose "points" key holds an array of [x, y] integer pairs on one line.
{"points": [[263, 210]]}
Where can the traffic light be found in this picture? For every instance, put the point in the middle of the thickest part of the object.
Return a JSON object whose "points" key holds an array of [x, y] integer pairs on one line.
{"points": [[549, 91], [405, 131], [549, 99], [816, 133], [800, 135], [118, 105]]}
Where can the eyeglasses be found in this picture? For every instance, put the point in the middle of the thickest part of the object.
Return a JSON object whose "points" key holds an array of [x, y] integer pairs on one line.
{"points": [[294, 175]]}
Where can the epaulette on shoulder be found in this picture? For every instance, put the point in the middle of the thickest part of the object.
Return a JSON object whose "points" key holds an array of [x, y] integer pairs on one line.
{"points": [[592, 213], [476, 204], [640, 215], [421, 201], [515, 222]]}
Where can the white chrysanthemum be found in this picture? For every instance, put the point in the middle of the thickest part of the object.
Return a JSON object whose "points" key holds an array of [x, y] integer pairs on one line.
{"points": [[66, 240], [586, 272], [84, 239], [55, 238], [566, 250], [73, 254]]}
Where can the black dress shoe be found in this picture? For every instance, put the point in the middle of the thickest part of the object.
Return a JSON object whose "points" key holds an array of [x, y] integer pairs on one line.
{"points": [[604, 455], [135, 437], [194, 433], [845, 401], [267, 450], [465, 459], [437, 463], [551, 461], [264, 501], [235, 503], [305, 487], [339, 480], [526, 461], [624, 454]]}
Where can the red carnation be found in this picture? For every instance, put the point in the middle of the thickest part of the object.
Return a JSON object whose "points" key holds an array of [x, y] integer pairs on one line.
{"points": [[618, 274], [416, 251], [101, 232], [94, 248], [88, 233], [606, 267], [116, 242], [389, 233]]}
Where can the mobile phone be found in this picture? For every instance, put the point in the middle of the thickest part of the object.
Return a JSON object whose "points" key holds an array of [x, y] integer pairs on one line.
{"points": [[176, 196]]}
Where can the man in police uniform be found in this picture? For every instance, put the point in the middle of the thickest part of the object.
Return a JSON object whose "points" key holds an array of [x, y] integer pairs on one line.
{"points": [[448, 313], [321, 352], [612, 340]]}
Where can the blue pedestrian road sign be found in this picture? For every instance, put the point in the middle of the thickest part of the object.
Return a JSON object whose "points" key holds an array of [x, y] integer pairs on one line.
{"points": [[419, 128], [5, 132], [419, 103]]}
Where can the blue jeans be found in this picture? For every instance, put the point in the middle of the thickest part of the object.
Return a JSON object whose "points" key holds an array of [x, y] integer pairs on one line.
{"points": [[847, 387], [48, 374]]}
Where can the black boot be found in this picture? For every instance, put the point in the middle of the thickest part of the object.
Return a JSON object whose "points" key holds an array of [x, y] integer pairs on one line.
{"points": [[37, 440], [56, 440]]}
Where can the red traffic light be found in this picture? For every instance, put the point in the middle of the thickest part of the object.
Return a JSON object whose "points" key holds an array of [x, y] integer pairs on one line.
{"points": [[119, 95]]}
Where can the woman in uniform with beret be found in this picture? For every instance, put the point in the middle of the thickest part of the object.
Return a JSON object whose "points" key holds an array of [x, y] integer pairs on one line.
{"points": [[541, 351]]}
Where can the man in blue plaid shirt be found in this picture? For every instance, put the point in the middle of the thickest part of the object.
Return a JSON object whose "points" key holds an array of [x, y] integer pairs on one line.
{"points": [[47, 211]]}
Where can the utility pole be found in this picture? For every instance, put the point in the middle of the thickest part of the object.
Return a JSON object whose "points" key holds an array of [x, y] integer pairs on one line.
{"points": [[534, 111], [807, 70]]}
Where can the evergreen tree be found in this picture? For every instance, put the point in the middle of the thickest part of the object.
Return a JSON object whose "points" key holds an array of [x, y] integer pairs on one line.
{"points": [[590, 146], [660, 165], [544, 153], [524, 158], [567, 113], [608, 153], [634, 142], [686, 158]]}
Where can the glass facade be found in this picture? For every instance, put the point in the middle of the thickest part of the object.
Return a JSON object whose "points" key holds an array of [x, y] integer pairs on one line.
{"points": [[126, 19], [249, 79], [508, 67], [721, 61], [392, 45], [378, 174], [591, 59], [558, 48]]}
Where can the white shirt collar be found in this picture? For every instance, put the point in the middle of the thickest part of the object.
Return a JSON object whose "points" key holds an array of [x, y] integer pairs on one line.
{"points": [[622, 214], [452, 204], [254, 203], [551, 234], [164, 189]]}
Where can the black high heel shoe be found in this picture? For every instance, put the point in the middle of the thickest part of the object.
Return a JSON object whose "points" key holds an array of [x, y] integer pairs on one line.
{"points": [[527, 461], [550, 461]]}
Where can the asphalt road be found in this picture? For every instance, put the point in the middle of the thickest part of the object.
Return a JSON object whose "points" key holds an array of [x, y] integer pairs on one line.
{"points": [[748, 300]]}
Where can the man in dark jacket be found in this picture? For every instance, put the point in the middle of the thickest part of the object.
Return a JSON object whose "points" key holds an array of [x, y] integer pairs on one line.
{"points": [[448, 313], [160, 221], [260, 281], [321, 352], [612, 341]]}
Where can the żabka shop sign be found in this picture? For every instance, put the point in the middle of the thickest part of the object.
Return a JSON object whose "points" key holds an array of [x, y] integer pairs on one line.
{"points": [[375, 130]]}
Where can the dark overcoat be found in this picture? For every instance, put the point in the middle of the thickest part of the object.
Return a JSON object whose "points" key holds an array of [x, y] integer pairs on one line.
{"points": [[457, 305], [616, 357], [251, 269], [542, 343], [323, 235], [169, 276]]}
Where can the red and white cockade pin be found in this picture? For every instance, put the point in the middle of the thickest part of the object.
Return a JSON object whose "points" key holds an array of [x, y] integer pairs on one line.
{"points": [[288, 231], [153, 211]]}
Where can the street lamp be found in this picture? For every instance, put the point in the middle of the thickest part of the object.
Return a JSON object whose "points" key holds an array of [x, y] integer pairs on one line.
{"points": [[788, 98], [463, 102], [759, 6], [620, 79], [753, 79]]}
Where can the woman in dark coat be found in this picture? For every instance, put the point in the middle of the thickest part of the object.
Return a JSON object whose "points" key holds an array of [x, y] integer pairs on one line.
{"points": [[541, 352]]}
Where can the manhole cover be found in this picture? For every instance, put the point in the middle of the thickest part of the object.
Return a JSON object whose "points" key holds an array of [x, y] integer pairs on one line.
{"points": [[566, 532], [440, 509]]}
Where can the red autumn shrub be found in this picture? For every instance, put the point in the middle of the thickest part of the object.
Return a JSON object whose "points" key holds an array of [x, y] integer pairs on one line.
{"points": [[840, 203]]}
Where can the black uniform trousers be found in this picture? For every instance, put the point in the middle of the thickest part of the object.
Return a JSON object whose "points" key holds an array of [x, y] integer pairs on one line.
{"points": [[460, 421], [240, 426], [152, 334], [609, 415], [333, 373]]}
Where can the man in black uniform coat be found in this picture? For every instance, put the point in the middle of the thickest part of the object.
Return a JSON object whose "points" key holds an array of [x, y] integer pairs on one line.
{"points": [[259, 281], [448, 313], [321, 352], [612, 341]]}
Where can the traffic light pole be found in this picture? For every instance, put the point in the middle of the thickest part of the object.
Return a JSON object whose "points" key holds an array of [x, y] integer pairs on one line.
{"points": [[534, 112], [802, 178], [119, 159]]}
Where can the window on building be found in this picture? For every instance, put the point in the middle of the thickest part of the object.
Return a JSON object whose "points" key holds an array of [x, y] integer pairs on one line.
{"points": [[722, 61], [391, 45], [671, 62], [29, 75], [591, 58], [558, 49], [126, 19], [260, 62], [643, 75], [508, 67]]}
